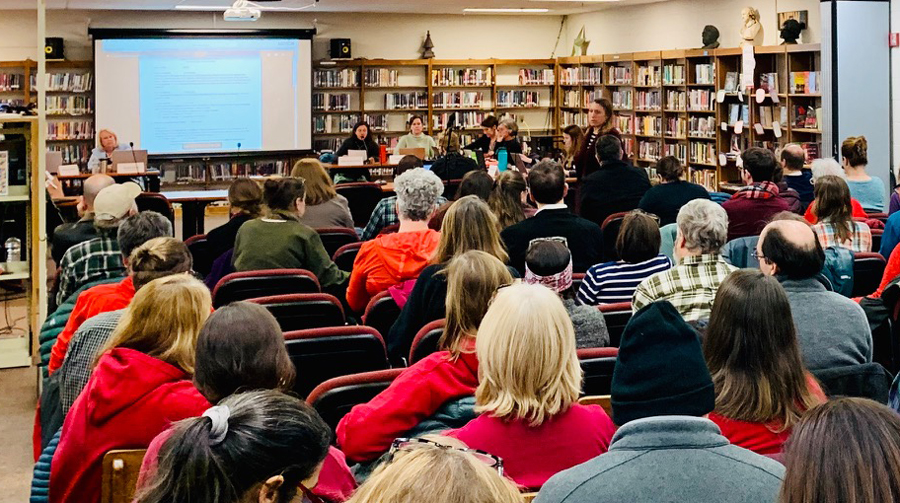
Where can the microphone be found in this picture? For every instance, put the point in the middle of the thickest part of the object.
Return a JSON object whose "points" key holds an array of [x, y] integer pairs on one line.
{"points": [[239, 147], [133, 156]]}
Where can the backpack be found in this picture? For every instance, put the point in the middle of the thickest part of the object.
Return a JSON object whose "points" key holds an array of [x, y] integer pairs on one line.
{"points": [[839, 269], [453, 166]]}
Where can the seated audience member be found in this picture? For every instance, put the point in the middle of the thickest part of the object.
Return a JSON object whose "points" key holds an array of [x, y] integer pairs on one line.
{"points": [[469, 225], [241, 348], [100, 257], [638, 246], [826, 167], [691, 285], [324, 206], [832, 330], [359, 139], [796, 175], [475, 183], [547, 186], [245, 200], [390, 259], [752, 207], [507, 200], [616, 187], [140, 385], [762, 387], [665, 448], [257, 446], [836, 227], [790, 196], [507, 130], [133, 233], [894, 203], [157, 258], [573, 142], [741, 252], [869, 190], [367, 431], [416, 138], [845, 450], [485, 142], [891, 237], [280, 241], [527, 397], [438, 471], [385, 212], [665, 199], [66, 236], [549, 263]]}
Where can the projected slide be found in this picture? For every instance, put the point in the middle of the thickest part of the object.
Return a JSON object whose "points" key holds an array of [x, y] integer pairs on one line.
{"points": [[177, 96]]}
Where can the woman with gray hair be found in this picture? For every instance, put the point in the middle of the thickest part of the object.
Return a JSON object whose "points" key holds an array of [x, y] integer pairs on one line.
{"points": [[507, 131], [391, 259], [692, 284], [830, 167]]}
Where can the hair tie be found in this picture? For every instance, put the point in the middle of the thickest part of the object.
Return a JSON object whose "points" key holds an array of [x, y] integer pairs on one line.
{"points": [[219, 415], [558, 282]]}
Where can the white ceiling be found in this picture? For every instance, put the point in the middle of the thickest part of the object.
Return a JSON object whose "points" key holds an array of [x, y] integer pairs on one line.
{"points": [[384, 6]]}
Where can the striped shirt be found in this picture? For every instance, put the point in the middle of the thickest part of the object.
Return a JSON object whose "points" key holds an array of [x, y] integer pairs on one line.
{"points": [[690, 286], [616, 281]]}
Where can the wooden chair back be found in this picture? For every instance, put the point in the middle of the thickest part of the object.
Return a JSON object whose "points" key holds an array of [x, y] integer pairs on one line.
{"points": [[120, 475], [602, 400]]}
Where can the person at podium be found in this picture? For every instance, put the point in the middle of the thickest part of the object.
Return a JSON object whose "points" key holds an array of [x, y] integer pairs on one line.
{"points": [[109, 143]]}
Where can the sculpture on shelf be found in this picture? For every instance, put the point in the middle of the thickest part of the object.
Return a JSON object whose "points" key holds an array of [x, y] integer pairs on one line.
{"points": [[428, 53], [790, 31], [710, 37], [751, 29], [581, 44]]}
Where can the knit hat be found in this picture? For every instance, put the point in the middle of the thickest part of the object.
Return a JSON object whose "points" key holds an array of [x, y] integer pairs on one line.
{"points": [[114, 202], [660, 370]]}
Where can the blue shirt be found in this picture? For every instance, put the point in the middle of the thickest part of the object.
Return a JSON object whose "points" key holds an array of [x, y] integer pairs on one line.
{"points": [[870, 193], [891, 236], [616, 281]]}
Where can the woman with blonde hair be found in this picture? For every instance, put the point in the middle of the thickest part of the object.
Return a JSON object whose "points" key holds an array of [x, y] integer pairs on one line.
{"points": [[438, 472], [440, 378], [468, 225], [507, 200], [836, 226], [140, 385], [869, 190], [324, 206], [527, 396]]}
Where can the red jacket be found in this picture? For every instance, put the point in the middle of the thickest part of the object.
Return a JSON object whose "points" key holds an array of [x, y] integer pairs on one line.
{"points": [[130, 399], [387, 260], [531, 455], [90, 303], [368, 429], [857, 209]]}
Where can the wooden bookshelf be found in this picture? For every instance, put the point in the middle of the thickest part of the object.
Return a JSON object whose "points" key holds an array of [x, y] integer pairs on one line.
{"points": [[70, 110]]}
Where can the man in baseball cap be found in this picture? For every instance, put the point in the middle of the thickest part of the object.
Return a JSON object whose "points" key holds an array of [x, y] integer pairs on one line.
{"points": [[115, 203]]}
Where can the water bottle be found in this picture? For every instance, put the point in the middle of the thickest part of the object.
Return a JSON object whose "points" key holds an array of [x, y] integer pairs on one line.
{"points": [[13, 250], [502, 159]]}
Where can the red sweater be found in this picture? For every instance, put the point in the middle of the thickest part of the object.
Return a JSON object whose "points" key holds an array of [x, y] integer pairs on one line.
{"points": [[531, 455], [760, 437], [368, 429], [130, 399], [90, 303], [747, 217], [857, 209], [336, 482]]}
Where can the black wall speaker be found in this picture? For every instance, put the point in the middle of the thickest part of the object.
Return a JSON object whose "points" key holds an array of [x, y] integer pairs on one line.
{"points": [[340, 48], [53, 48]]}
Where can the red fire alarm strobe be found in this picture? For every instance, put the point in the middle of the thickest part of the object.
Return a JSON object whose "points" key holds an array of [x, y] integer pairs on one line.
{"points": [[894, 40]]}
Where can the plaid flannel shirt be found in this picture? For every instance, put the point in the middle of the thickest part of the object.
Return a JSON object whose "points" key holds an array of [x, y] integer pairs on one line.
{"points": [[83, 349], [690, 286], [385, 215], [93, 260], [758, 190], [860, 236]]}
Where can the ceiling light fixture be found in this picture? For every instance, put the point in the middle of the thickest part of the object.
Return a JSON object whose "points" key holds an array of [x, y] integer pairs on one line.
{"points": [[507, 11]]}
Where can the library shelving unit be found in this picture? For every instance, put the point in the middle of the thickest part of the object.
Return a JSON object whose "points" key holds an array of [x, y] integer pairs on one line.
{"points": [[648, 107], [701, 117], [70, 110], [526, 91], [618, 71], [804, 97], [580, 82], [674, 104]]}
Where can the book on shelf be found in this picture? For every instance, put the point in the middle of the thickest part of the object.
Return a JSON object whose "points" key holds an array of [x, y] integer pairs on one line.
{"points": [[648, 76], [738, 112], [702, 152], [676, 127], [337, 123], [623, 99], [739, 143], [704, 177], [382, 77], [333, 77], [69, 82], [625, 124], [544, 77], [577, 118], [377, 122], [590, 96], [673, 75], [70, 130], [322, 144], [702, 126], [328, 101], [731, 82], [569, 76], [620, 75], [676, 100], [462, 77], [805, 83], [571, 98], [590, 75], [700, 100], [768, 82], [676, 150], [649, 101], [800, 116], [705, 73], [69, 105], [769, 114], [806, 117], [628, 146], [11, 81], [649, 126], [518, 98], [457, 99], [400, 101], [648, 150], [467, 120], [811, 149], [72, 153]]}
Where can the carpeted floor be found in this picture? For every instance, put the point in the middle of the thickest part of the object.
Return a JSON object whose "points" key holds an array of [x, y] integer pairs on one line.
{"points": [[17, 402]]}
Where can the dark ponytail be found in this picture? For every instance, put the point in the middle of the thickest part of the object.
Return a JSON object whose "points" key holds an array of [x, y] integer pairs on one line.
{"points": [[242, 442], [279, 194]]}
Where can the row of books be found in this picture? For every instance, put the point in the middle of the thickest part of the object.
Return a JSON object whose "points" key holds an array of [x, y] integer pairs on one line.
{"points": [[812, 150], [536, 77], [328, 101], [577, 118], [70, 130], [72, 154], [458, 99], [737, 112], [677, 150], [676, 100], [807, 117], [69, 105], [585, 75], [769, 114], [704, 127], [732, 82], [322, 144], [338, 123], [462, 77], [333, 77], [394, 101], [619, 75], [702, 152], [647, 76], [705, 73], [648, 126], [68, 81], [649, 150], [806, 83], [625, 124], [623, 99], [466, 120], [519, 98], [704, 177], [673, 75], [180, 173], [676, 127], [382, 77], [11, 81], [649, 101], [628, 146], [377, 122], [701, 100]]}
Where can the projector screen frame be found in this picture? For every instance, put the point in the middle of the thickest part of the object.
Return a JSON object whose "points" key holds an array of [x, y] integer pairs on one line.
{"points": [[159, 33]]}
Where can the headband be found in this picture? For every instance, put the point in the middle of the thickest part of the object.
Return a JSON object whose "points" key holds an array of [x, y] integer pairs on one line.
{"points": [[219, 415], [558, 282]]}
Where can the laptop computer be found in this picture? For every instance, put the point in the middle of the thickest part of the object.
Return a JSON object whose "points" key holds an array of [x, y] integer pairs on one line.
{"points": [[129, 161], [418, 152]]}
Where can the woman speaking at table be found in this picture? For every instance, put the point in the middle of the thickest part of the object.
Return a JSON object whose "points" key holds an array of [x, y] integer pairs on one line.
{"points": [[109, 143]]}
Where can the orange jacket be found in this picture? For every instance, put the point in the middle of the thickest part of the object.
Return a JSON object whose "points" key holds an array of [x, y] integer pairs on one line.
{"points": [[387, 260]]}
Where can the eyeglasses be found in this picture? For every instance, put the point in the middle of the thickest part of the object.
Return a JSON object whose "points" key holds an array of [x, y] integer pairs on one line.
{"points": [[407, 444], [639, 211], [757, 255]]}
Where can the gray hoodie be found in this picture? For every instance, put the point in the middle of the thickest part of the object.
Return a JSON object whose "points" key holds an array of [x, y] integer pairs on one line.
{"points": [[668, 459]]}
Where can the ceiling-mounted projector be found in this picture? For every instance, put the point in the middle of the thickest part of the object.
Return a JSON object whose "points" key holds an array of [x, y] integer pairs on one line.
{"points": [[242, 10]]}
